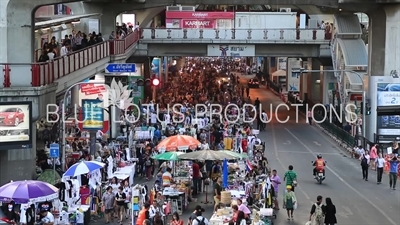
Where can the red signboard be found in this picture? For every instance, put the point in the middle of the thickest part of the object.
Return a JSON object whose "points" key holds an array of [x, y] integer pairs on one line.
{"points": [[197, 23], [92, 89], [199, 15]]}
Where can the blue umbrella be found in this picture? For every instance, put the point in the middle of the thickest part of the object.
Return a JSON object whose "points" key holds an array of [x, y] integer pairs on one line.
{"points": [[225, 174], [83, 167]]}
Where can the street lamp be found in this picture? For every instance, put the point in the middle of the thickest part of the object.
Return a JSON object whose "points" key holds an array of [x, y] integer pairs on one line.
{"points": [[364, 94]]}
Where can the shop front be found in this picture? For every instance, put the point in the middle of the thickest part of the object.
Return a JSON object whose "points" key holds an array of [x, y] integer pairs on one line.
{"points": [[203, 20]]}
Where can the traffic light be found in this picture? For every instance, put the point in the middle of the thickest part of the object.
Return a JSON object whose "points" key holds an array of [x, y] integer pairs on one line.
{"points": [[367, 109], [142, 82], [155, 82]]}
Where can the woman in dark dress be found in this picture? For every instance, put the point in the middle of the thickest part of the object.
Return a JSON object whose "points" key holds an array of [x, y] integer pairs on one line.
{"points": [[330, 212]]}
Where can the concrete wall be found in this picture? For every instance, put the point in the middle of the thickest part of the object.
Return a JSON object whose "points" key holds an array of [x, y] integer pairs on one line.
{"points": [[19, 163]]}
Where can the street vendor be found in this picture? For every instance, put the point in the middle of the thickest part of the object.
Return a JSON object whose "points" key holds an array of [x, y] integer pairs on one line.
{"points": [[167, 178], [243, 208], [215, 171]]}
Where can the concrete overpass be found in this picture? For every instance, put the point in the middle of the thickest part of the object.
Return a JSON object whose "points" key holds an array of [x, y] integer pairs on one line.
{"points": [[36, 81]]}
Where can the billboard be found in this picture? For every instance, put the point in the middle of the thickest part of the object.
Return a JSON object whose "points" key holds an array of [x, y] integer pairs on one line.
{"points": [[155, 67], [93, 114], [199, 15], [231, 50], [137, 91], [388, 95], [15, 123]]}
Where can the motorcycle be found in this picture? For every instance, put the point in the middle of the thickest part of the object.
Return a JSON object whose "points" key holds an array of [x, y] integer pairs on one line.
{"points": [[320, 175]]}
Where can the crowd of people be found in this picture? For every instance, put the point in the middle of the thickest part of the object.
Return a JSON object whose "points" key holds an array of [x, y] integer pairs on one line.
{"points": [[78, 40]]}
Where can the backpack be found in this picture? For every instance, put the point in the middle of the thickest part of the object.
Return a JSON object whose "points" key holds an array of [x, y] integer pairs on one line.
{"points": [[364, 162], [318, 214], [200, 222]]}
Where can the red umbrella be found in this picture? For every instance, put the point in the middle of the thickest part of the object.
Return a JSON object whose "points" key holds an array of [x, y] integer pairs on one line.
{"points": [[178, 142]]}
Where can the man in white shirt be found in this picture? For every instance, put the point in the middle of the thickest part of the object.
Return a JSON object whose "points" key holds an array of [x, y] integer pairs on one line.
{"points": [[65, 50], [48, 218], [154, 210], [264, 120], [380, 164], [153, 118], [204, 145], [199, 220]]}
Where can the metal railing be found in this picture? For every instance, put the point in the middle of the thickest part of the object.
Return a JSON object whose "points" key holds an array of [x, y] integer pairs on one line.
{"points": [[336, 131], [17, 74], [167, 35]]}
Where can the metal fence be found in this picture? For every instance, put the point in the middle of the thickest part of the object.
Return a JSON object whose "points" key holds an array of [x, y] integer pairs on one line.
{"points": [[337, 131]]}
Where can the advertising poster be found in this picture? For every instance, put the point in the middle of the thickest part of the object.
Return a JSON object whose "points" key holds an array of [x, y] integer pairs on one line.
{"points": [[388, 95], [155, 67], [165, 64], [173, 23], [93, 114], [293, 78], [199, 15], [231, 50], [15, 122], [96, 92], [137, 91]]}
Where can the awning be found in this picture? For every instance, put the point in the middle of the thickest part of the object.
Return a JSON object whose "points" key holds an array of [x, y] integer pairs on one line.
{"points": [[354, 79], [279, 73], [65, 19]]}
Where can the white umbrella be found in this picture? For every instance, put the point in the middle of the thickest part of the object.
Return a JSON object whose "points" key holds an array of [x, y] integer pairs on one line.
{"points": [[206, 155], [83, 167]]}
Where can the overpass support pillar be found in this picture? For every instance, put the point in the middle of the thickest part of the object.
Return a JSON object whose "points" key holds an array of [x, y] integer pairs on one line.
{"points": [[384, 59], [17, 162], [16, 31]]}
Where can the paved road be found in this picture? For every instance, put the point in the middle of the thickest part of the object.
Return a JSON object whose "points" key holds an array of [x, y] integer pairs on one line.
{"points": [[358, 202], [297, 143]]}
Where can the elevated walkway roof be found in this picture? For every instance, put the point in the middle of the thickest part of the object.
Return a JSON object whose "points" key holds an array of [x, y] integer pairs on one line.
{"points": [[347, 24], [354, 79], [354, 52], [64, 19]]}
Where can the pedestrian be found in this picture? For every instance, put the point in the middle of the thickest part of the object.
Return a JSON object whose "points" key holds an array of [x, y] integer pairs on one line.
{"points": [[380, 164], [316, 213], [108, 201], [276, 181], [373, 156], [394, 163], [365, 160], [289, 202], [309, 117], [291, 178], [148, 163], [330, 212]]}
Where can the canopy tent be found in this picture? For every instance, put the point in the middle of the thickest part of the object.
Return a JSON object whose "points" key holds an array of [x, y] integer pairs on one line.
{"points": [[279, 73]]}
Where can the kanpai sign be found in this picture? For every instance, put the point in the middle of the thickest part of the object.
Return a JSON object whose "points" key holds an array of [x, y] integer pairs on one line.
{"points": [[197, 23], [199, 15]]}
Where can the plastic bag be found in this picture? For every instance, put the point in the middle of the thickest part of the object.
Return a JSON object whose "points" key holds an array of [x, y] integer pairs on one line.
{"points": [[295, 205], [308, 223]]}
